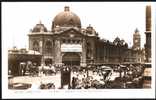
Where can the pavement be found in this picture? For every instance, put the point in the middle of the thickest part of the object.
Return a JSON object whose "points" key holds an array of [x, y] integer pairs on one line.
{"points": [[56, 79], [37, 80]]}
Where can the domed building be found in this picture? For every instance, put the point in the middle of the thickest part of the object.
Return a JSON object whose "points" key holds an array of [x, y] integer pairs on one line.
{"points": [[67, 43], [66, 19]]}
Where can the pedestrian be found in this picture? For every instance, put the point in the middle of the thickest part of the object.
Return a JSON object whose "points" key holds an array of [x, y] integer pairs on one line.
{"points": [[73, 82]]}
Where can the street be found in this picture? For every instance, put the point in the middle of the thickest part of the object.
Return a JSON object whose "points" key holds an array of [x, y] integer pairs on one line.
{"points": [[37, 80]]}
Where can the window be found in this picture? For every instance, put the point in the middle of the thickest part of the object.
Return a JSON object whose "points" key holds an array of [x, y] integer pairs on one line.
{"points": [[64, 41], [88, 50], [78, 41], [68, 41], [48, 47], [36, 46], [73, 41]]}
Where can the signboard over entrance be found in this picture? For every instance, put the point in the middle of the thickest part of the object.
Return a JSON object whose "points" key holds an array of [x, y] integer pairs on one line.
{"points": [[71, 48]]}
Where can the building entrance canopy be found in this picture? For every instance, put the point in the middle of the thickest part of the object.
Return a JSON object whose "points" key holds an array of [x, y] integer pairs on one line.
{"points": [[71, 48]]}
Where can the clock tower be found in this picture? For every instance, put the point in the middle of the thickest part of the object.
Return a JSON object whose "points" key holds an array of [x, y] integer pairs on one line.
{"points": [[136, 40]]}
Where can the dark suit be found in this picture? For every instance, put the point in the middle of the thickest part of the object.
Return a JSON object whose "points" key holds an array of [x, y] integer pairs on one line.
{"points": [[65, 76]]}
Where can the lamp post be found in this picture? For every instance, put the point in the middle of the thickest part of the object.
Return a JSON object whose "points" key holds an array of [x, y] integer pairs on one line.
{"points": [[43, 62], [120, 61]]}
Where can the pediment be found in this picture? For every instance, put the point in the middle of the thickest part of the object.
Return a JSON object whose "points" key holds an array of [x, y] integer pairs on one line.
{"points": [[71, 33]]}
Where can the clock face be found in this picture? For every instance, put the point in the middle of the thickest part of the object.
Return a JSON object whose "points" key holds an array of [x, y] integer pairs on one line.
{"points": [[71, 35], [136, 40]]}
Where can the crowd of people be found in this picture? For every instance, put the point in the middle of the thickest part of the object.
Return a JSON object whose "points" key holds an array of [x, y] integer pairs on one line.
{"points": [[131, 76], [81, 80], [90, 77]]}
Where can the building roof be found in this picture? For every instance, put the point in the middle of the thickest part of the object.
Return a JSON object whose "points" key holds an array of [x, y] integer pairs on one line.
{"points": [[23, 51], [66, 19], [33, 52], [39, 28], [136, 30]]}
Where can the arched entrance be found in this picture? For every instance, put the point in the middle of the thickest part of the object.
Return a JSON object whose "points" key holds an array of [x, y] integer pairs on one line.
{"points": [[71, 58]]}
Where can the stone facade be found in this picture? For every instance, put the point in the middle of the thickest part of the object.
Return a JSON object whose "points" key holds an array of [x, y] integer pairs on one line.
{"points": [[68, 43]]}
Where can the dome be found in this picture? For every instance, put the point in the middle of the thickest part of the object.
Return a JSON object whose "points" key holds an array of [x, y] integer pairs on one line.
{"points": [[39, 28], [90, 29], [66, 19]]}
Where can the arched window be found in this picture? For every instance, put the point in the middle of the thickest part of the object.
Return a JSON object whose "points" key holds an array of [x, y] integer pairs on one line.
{"points": [[63, 41], [69, 41], [48, 47], [36, 46], [78, 41], [73, 41], [88, 50]]}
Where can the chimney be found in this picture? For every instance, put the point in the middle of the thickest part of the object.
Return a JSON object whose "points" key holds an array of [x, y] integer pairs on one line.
{"points": [[148, 18]]}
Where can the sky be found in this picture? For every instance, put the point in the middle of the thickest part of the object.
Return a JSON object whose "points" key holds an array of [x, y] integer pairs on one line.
{"points": [[109, 19]]}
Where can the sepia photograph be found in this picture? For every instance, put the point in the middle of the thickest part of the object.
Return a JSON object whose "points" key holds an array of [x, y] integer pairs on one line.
{"points": [[78, 49]]}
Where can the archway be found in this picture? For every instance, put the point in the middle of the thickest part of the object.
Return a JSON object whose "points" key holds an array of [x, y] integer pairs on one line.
{"points": [[71, 58]]}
